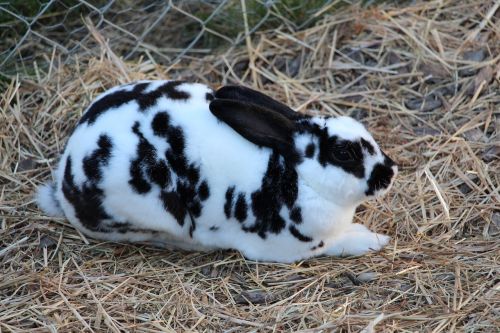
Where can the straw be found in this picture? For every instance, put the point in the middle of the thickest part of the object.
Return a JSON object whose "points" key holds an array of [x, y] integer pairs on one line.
{"points": [[409, 73]]}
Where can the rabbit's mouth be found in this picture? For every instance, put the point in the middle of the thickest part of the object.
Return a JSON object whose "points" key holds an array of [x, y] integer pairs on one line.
{"points": [[381, 177]]}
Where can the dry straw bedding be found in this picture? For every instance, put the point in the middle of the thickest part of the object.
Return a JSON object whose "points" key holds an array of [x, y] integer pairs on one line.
{"points": [[425, 80]]}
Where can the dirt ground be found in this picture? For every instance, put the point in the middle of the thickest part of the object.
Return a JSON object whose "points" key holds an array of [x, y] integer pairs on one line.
{"points": [[423, 77]]}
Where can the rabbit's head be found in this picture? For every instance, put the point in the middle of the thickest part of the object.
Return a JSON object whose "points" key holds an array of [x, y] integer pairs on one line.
{"points": [[334, 156], [341, 161]]}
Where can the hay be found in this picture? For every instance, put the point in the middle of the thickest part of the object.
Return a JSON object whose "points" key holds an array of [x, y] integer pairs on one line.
{"points": [[424, 79]]}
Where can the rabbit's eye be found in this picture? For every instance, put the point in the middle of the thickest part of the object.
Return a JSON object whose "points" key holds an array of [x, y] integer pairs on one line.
{"points": [[342, 154]]}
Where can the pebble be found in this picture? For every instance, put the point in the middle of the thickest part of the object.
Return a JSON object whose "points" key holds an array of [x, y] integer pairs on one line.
{"points": [[367, 276], [425, 104]]}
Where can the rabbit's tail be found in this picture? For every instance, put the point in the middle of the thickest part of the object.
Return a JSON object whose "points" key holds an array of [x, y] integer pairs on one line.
{"points": [[46, 199]]}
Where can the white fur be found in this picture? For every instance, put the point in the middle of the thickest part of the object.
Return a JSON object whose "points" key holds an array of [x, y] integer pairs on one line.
{"points": [[47, 202], [329, 196]]}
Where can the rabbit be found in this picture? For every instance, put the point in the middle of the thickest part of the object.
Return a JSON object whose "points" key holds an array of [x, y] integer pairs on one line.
{"points": [[178, 165]]}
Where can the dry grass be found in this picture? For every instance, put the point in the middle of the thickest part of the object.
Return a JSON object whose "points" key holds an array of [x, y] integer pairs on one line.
{"points": [[425, 79]]}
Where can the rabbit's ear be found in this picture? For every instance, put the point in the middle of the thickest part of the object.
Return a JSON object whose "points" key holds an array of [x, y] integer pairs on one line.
{"points": [[259, 125], [244, 94]]}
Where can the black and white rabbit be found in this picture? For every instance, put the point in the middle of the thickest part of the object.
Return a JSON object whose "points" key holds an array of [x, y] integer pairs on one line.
{"points": [[175, 164]]}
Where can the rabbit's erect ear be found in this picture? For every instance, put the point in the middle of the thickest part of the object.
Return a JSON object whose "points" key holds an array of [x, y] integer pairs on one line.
{"points": [[257, 124], [244, 94]]}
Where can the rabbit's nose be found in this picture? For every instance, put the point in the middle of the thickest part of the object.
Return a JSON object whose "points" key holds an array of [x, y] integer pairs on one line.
{"points": [[380, 178]]}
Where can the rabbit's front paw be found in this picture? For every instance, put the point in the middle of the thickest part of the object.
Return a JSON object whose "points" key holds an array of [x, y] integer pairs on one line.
{"points": [[356, 243]]}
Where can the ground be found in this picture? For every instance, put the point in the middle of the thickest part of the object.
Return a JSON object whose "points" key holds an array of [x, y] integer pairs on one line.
{"points": [[423, 77]]}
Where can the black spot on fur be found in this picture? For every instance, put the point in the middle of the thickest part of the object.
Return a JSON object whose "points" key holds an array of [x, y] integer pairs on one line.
{"points": [[92, 164], [170, 88], [137, 180], [310, 150], [86, 200], [289, 181], [133, 230], [296, 233], [320, 245], [279, 187], [125, 227], [176, 139], [175, 155], [296, 215], [228, 205], [192, 227], [209, 97], [160, 124], [368, 146], [203, 191], [241, 207], [147, 100], [111, 101], [177, 162], [159, 173], [122, 230], [173, 204], [214, 228], [188, 196], [116, 225], [193, 174], [191, 203], [184, 190], [144, 99], [146, 166], [380, 178], [195, 208]]}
